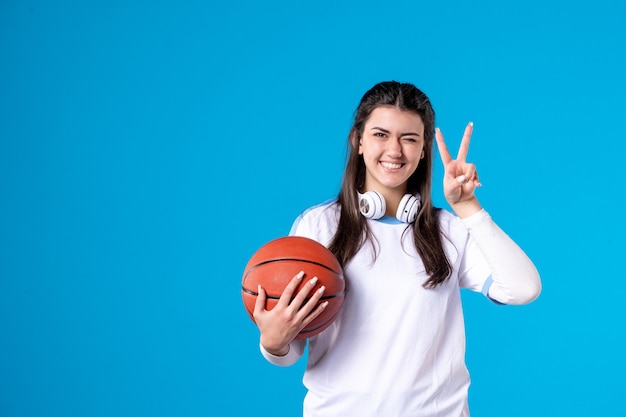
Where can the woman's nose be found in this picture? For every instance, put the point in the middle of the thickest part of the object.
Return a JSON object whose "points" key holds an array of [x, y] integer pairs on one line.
{"points": [[394, 149]]}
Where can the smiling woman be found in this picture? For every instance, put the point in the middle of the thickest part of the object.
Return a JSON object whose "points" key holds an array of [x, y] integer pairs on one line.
{"points": [[398, 344], [392, 147]]}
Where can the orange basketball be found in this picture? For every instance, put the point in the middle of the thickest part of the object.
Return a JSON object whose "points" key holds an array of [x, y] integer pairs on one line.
{"points": [[275, 264]]}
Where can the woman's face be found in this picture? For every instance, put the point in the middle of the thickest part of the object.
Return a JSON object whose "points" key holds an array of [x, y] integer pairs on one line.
{"points": [[392, 146]]}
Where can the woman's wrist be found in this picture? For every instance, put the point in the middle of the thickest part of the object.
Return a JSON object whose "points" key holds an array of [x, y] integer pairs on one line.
{"points": [[277, 352], [466, 208]]}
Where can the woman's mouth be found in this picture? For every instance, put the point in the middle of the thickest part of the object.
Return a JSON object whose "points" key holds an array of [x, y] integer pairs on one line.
{"points": [[391, 165]]}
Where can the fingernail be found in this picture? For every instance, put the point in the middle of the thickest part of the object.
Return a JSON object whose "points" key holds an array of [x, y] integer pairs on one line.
{"points": [[324, 304], [471, 123], [300, 275], [321, 290], [461, 179], [313, 281], [258, 289]]}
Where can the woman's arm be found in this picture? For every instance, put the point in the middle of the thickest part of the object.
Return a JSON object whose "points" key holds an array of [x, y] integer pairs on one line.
{"points": [[515, 278]]}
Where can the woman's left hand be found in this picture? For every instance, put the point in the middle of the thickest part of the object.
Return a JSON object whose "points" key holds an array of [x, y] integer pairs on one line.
{"points": [[460, 178]]}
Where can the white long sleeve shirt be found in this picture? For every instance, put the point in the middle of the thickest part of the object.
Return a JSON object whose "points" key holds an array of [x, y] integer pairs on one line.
{"points": [[396, 348]]}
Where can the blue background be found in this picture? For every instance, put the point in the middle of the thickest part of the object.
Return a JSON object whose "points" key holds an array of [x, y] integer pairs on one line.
{"points": [[148, 148]]}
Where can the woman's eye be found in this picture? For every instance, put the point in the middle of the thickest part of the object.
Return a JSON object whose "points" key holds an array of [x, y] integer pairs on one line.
{"points": [[379, 135]]}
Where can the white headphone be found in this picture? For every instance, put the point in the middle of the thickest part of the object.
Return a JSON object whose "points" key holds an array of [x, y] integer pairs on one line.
{"points": [[372, 206]]}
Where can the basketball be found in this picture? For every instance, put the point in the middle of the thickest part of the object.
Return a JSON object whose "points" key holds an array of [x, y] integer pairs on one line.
{"points": [[275, 264]]}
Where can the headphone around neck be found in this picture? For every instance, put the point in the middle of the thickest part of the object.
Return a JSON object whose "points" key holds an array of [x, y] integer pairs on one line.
{"points": [[372, 206]]}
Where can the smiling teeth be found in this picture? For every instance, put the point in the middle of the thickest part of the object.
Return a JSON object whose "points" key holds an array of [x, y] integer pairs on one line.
{"points": [[389, 165]]}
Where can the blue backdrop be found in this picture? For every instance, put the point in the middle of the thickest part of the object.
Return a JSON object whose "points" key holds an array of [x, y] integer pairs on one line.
{"points": [[148, 148]]}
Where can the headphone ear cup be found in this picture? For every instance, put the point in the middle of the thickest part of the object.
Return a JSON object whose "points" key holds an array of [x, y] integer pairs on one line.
{"points": [[408, 208], [372, 205]]}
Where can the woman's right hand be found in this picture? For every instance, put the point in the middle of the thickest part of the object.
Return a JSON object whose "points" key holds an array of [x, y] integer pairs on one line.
{"points": [[280, 325]]}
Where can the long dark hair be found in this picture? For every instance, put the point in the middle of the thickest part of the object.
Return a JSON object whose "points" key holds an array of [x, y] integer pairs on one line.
{"points": [[352, 231]]}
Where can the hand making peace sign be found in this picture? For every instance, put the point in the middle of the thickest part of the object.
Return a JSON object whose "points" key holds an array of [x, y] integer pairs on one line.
{"points": [[460, 178]]}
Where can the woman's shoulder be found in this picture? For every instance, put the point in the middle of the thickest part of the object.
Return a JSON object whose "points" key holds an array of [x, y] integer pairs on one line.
{"points": [[323, 209], [444, 216], [318, 222], [450, 224]]}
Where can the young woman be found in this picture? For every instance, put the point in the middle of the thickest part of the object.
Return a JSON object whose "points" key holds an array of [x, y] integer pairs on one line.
{"points": [[398, 345]]}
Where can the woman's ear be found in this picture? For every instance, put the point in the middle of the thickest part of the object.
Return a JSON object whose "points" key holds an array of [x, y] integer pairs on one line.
{"points": [[355, 140]]}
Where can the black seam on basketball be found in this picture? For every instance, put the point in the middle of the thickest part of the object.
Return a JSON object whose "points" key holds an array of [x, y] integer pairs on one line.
{"points": [[308, 330], [276, 297], [340, 275]]}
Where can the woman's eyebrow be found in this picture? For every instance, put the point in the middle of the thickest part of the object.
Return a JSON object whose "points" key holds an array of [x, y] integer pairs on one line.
{"points": [[401, 134]]}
